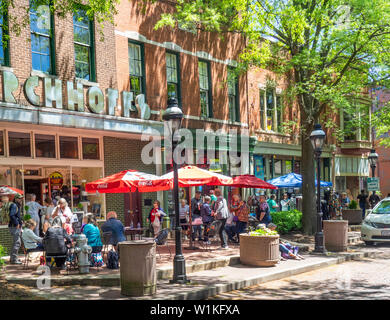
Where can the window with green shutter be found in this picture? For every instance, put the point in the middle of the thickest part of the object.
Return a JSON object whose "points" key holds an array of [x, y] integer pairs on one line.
{"points": [[234, 106], [84, 46], [4, 43], [42, 39], [137, 70], [173, 76], [205, 89]]}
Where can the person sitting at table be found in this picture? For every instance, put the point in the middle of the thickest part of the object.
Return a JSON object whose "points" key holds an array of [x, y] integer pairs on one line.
{"points": [[92, 232], [30, 240], [47, 222], [56, 241], [116, 228], [63, 210]]}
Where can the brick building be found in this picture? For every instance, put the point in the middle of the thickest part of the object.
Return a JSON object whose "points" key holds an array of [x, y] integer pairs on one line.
{"points": [[74, 107]]}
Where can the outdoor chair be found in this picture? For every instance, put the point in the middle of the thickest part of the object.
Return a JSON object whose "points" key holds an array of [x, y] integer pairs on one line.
{"points": [[106, 236], [161, 239], [70, 260], [26, 253]]}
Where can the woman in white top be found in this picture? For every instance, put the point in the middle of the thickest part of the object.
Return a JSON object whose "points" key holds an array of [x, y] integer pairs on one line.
{"points": [[184, 211], [62, 210]]}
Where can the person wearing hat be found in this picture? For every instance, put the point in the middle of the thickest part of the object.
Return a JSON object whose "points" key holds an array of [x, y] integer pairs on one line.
{"points": [[14, 225]]}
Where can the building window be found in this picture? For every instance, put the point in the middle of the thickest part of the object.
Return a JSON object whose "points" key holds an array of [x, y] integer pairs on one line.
{"points": [[1, 143], [263, 118], [205, 89], [42, 39], [137, 71], [19, 144], [234, 102], [45, 146], [69, 148], [271, 110], [84, 46], [173, 76], [4, 43], [90, 148]]}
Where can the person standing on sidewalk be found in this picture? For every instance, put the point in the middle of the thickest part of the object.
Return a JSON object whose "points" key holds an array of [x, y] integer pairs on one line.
{"points": [[363, 202], [374, 199], [196, 204], [33, 210], [207, 218], [273, 206], [14, 225], [262, 211], [221, 214]]}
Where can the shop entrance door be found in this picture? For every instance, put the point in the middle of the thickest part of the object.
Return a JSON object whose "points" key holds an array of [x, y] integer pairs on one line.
{"points": [[133, 209], [33, 186]]}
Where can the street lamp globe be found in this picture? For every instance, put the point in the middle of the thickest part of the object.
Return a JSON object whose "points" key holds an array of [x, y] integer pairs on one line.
{"points": [[173, 116], [317, 137], [373, 158]]}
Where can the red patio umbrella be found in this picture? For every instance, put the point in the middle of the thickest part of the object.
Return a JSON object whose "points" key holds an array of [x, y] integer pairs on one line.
{"points": [[192, 176], [128, 181], [4, 190], [250, 181]]}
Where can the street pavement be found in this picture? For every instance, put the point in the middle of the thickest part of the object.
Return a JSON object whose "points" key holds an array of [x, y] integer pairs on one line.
{"points": [[366, 278]]}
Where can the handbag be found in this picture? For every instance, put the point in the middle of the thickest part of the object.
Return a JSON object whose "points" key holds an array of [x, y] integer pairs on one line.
{"points": [[197, 222], [96, 259]]}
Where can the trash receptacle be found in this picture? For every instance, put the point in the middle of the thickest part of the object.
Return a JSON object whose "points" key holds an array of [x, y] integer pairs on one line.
{"points": [[166, 222], [336, 235], [138, 267]]}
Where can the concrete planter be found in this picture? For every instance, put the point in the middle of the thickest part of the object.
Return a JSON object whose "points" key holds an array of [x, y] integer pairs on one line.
{"points": [[138, 267], [260, 251], [336, 235], [353, 216]]}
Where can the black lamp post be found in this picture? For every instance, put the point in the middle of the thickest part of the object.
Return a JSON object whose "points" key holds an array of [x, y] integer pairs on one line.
{"points": [[317, 138], [173, 117], [373, 158]]}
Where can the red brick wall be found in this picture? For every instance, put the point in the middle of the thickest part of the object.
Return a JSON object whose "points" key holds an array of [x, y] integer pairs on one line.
{"points": [[20, 54]]}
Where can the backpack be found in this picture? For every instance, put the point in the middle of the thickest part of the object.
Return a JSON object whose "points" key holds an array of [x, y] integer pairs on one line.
{"points": [[112, 260], [96, 260], [161, 237]]}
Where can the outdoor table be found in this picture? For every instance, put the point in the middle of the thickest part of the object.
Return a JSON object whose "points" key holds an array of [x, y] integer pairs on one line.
{"points": [[132, 232]]}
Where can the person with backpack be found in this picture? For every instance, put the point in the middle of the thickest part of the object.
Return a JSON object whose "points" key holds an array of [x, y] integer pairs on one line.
{"points": [[12, 214], [92, 232], [207, 218]]}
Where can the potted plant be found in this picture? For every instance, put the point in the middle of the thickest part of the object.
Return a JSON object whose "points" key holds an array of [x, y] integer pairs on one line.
{"points": [[353, 215], [259, 248], [3, 252]]}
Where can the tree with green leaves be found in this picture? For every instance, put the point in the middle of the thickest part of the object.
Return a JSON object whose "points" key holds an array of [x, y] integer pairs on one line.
{"points": [[332, 51]]}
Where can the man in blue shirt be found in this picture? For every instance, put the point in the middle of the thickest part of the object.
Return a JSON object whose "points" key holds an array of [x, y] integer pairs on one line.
{"points": [[33, 211], [114, 226], [14, 225]]}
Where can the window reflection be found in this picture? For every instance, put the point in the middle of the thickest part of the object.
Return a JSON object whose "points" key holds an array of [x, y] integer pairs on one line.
{"points": [[69, 148], [19, 144], [45, 146]]}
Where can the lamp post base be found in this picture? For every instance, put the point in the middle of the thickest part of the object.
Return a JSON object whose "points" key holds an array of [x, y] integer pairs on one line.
{"points": [[179, 270], [319, 243]]}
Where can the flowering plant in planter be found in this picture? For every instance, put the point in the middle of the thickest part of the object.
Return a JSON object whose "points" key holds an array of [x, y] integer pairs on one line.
{"points": [[263, 232]]}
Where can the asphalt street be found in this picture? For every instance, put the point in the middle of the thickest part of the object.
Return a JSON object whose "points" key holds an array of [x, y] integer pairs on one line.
{"points": [[367, 278]]}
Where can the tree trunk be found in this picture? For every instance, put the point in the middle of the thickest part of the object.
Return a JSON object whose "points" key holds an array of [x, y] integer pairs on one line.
{"points": [[308, 184]]}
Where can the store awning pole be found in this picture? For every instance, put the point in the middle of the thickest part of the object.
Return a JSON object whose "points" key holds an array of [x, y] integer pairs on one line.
{"points": [[71, 188]]}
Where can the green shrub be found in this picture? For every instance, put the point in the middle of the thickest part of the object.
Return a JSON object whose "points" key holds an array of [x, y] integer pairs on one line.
{"points": [[352, 205], [26, 217], [287, 221], [3, 252]]}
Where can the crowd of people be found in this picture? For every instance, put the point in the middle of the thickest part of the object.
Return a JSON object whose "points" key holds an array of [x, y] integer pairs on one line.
{"points": [[49, 228]]}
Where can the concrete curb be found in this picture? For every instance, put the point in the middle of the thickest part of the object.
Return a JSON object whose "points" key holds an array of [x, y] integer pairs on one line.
{"points": [[207, 292], [111, 280]]}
